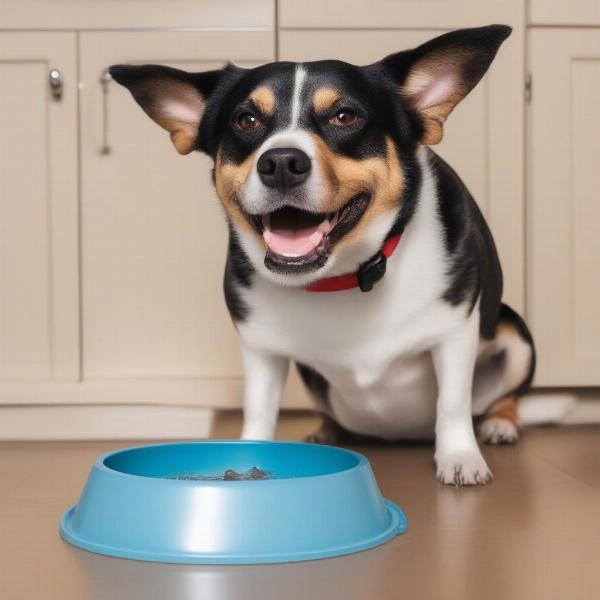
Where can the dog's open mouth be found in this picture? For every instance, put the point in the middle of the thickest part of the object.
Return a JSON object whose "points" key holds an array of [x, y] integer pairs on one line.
{"points": [[300, 241]]}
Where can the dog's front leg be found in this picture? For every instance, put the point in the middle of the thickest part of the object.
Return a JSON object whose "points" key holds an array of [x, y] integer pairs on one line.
{"points": [[265, 376], [459, 460]]}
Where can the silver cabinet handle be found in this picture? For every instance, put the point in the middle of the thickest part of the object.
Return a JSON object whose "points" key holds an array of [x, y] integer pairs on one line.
{"points": [[56, 83], [105, 80]]}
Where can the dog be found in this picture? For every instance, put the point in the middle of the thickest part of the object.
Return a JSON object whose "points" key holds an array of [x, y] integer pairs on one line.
{"points": [[354, 250]]}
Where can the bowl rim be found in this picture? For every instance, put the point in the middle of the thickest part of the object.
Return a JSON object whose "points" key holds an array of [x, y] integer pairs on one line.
{"points": [[397, 525], [100, 464]]}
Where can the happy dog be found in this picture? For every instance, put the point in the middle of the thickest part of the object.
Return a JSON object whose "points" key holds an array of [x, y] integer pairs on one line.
{"points": [[354, 250]]}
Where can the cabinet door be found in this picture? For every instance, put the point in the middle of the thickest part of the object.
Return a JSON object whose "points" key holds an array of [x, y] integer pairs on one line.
{"points": [[39, 335], [153, 232], [563, 210], [483, 136]]}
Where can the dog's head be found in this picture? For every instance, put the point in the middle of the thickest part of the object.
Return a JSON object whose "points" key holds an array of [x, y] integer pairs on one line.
{"points": [[313, 161]]}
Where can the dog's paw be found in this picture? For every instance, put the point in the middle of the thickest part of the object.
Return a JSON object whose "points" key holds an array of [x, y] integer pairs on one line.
{"points": [[317, 438], [328, 433], [497, 430], [463, 468]]}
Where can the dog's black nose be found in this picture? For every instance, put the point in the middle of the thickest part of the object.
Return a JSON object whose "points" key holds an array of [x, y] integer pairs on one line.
{"points": [[283, 168]]}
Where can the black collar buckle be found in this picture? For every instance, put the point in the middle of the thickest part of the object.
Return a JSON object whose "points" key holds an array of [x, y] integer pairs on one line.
{"points": [[371, 271]]}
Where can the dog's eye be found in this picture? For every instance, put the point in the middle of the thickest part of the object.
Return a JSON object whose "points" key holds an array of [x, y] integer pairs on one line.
{"points": [[247, 121], [344, 117]]}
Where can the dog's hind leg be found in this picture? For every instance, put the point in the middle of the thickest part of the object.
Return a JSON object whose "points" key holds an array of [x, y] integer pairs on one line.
{"points": [[500, 425], [330, 432], [504, 371]]}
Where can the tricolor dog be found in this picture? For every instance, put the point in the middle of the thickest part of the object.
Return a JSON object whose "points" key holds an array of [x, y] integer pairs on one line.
{"points": [[354, 250]]}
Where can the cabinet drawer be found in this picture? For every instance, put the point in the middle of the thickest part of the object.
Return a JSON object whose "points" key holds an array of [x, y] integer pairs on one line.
{"points": [[100, 14], [386, 14]]}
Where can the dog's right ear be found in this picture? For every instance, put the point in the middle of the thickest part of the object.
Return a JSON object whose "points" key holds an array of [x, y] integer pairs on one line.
{"points": [[436, 76], [174, 99]]}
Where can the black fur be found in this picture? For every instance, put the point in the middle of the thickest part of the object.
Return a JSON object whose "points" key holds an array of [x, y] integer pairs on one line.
{"points": [[508, 315], [316, 384], [238, 273], [410, 197], [475, 270]]}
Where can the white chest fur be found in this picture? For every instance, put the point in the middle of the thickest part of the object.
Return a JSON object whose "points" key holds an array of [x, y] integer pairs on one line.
{"points": [[371, 347]]}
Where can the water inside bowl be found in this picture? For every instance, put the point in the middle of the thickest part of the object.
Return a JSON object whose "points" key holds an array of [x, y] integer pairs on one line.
{"points": [[253, 474]]}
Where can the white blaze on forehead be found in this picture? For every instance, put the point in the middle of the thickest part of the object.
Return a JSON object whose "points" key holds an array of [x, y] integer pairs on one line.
{"points": [[254, 196], [290, 138], [299, 78]]}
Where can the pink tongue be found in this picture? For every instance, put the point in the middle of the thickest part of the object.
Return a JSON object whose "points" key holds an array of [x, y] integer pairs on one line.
{"points": [[293, 242]]}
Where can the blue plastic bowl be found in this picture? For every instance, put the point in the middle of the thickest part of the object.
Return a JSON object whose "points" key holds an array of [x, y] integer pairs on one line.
{"points": [[321, 501]]}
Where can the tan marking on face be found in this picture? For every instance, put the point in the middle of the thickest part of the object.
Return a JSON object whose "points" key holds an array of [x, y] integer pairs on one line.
{"points": [[264, 99], [229, 179], [381, 177], [324, 98]]}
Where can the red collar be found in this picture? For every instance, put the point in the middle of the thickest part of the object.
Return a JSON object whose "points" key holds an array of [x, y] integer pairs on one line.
{"points": [[365, 278]]}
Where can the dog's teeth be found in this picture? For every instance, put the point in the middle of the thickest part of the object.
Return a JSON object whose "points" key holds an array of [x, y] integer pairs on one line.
{"points": [[266, 220]]}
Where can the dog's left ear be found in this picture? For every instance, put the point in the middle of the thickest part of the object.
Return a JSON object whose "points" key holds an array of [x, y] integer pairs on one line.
{"points": [[174, 99], [436, 76]]}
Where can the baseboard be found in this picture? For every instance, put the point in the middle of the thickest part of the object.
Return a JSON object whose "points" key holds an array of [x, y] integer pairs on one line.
{"points": [[217, 392], [103, 422]]}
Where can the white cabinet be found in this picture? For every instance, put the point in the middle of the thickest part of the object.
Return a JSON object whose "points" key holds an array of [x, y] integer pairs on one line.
{"points": [[111, 262], [563, 210], [39, 311]]}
